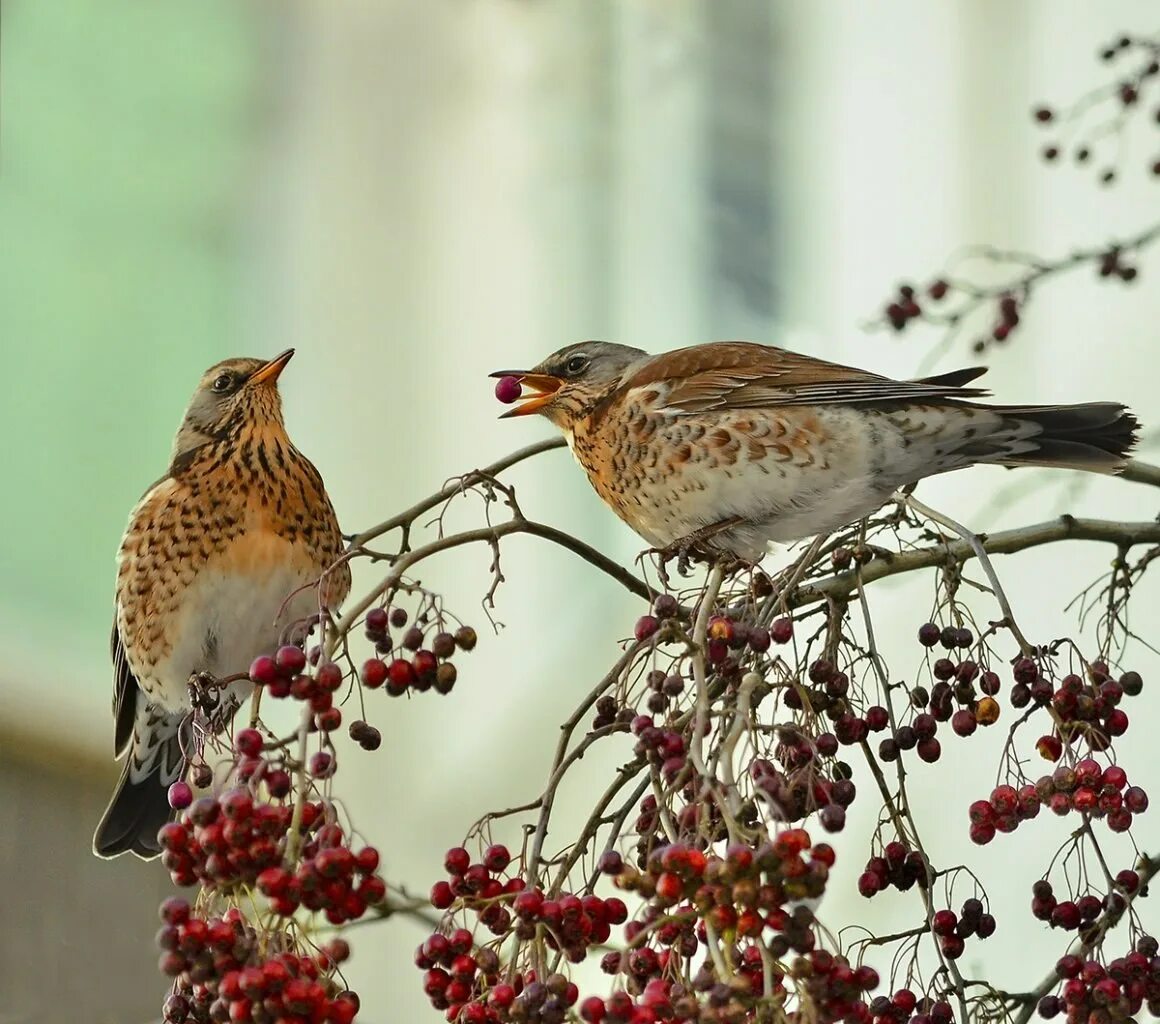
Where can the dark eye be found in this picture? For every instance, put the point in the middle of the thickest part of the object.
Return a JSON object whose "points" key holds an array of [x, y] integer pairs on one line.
{"points": [[223, 383], [576, 365]]}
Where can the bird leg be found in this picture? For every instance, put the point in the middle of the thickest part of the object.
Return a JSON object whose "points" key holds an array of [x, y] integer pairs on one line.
{"points": [[693, 548], [205, 697]]}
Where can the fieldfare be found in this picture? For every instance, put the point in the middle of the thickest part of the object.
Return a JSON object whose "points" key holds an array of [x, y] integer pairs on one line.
{"points": [[221, 559], [730, 446]]}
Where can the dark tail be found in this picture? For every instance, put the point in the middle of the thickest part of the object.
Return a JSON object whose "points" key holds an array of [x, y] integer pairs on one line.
{"points": [[138, 809], [1096, 436]]}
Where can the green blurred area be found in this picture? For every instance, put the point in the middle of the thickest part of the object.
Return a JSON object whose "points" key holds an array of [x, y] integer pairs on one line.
{"points": [[125, 130]]}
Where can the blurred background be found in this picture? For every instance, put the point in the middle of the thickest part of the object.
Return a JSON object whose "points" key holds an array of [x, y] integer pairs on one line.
{"points": [[414, 194]]}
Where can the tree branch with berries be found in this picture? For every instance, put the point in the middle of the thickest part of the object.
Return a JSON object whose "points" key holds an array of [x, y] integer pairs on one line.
{"points": [[748, 712]]}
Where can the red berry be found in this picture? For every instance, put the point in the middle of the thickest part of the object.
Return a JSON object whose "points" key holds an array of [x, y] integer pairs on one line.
{"points": [[646, 626], [456, 861], [496, 858], [1135, 799], [248, 742], [180, 795], [329, 676], [322, 765], [289, 660], [373, 673], [952, 946], [944, 922], [1004, 799], [592, 1010], [982, 832], [441, 896], [400, 675], [367, 860], [508, 389], [263, 671], [1115, 776]]}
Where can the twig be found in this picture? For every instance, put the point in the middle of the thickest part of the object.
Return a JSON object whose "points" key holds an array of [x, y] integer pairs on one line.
{"points": [[456, 486], [984, 561], [700, 642]]}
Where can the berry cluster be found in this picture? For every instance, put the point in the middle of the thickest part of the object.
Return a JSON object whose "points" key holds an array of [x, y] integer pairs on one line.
{"points": [[1007, 319], [833, 988], [746, 892], [569, 922], [231, 841], [330, 877], [461, 984], [1124, 95], [952, 929], [466, 983], [222, 971], [1003, 812], [899, 866], [1118, 991], [1079, 914], [1087, 789], [285, 675], [903, 308], [799, 791], [905, 1007], [1114, 263], [1088, 709], [422, 660]]}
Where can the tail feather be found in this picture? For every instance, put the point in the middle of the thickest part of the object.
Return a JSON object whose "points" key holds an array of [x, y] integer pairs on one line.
{"points": [[140, 803], [1096, 436], [133, 818]]}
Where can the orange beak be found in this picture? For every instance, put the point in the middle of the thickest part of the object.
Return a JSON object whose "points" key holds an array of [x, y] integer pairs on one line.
{"points": [[268, 372], [543, 385]]}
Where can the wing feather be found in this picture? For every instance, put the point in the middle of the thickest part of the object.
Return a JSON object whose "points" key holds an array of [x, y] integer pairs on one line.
{"points": [[125, 691], [743, 375]]}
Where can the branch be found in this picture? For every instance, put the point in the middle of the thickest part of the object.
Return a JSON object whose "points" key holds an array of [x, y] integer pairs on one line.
{"points": [[1121, 534], [456, 485], [1141, 473], [490, 535]]}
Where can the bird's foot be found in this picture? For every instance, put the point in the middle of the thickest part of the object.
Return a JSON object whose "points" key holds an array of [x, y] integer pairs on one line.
{"points": [[696, 547], [205, 697]]}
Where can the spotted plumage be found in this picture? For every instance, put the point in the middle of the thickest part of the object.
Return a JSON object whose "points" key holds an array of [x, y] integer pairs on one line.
{"points": [[764, 445], [221, 558]]}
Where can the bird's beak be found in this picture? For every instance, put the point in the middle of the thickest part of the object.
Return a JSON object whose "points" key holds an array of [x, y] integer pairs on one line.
{"points": [[268, 372], [543, 385]]}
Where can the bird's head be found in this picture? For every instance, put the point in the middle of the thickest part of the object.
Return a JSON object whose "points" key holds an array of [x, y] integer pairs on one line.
{"points": [[569, 382], [232, 396]]}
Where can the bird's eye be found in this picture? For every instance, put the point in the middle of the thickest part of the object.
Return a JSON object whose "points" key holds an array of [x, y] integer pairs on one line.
{"points": [[222, 383], [576, 365]]}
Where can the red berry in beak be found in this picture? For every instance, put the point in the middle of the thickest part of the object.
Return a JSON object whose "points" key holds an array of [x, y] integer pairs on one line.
{"points": [[508, 389]]}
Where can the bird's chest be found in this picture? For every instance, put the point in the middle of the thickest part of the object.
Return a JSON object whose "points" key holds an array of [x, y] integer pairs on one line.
{"points": [[638, 461], [210, 577], [237, 606]]}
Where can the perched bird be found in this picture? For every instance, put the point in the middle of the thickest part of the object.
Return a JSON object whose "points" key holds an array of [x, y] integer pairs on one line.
{"points": [[730, 446], [221, 556]]}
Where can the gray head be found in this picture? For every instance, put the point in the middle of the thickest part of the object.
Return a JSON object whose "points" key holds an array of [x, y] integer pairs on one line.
{"points": [[573, 379], [234, 394]]}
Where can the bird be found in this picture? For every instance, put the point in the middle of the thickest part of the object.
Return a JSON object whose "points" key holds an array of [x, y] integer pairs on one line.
{"points": [[728, 447], [221, 557]]}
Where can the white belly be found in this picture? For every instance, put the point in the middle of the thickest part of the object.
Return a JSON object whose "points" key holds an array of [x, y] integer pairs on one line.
{"points": [[227, 621]]}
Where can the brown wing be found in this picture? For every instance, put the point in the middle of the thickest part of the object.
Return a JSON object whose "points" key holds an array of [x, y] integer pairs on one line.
{"points": [[743, 375], [125, 691]]}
